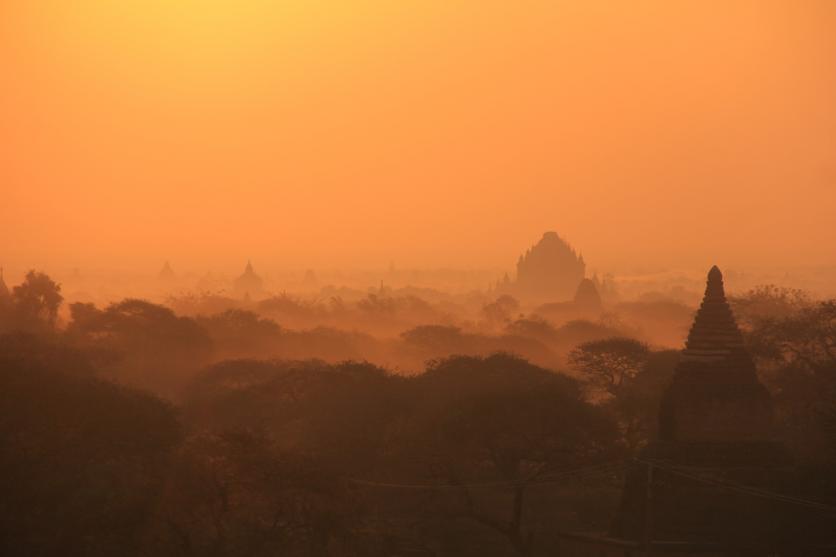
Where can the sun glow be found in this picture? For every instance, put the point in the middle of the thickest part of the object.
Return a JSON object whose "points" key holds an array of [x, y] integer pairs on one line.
{"points": [[439, 128]]}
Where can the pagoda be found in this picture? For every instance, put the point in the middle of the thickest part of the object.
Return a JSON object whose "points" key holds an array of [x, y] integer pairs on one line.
{"points": [[4, 290], [249, 284], [716, 480], [715, 430], [587, 297], [166, 274], [715, 396]]}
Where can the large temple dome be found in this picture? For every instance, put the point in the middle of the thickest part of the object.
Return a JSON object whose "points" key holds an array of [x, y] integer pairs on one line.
{"points": [[551, 270]]}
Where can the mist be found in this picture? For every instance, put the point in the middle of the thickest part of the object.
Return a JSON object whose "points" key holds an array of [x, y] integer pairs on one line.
{"points": [[417, 279]]}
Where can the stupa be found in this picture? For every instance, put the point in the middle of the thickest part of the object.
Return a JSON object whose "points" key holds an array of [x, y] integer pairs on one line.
{"points": [[716, 426], [715, 481], [166, 274], [587, 297], [4, 290], [249, 284]]}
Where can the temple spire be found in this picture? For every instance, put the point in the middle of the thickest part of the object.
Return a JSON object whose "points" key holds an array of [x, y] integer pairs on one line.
{"points": [[714, 334], [249, 283], [166, 273], [714, 287]]}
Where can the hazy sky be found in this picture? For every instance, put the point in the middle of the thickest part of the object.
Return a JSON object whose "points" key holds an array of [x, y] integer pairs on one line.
{"points": [[435, 132]]}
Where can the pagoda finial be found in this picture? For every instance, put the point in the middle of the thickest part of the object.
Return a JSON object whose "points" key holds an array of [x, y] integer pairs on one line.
{"points": [[714, 286]]}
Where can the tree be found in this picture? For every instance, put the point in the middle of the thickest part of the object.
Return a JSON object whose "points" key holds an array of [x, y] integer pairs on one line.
{"points": [[238, 493], [500, 311], [338, 412], [609, 365], [237, 332], [436, 339], [145, 344], [500, 419], [534, 327], [35, 303], [627, 379], [796, 355], [82, 461], [805, 339], [768, 302], [636, 408]]}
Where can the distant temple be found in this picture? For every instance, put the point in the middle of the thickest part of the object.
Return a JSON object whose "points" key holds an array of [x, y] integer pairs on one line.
{"points": [[249, 284], [4, 290], [587, 297], [166, 273], [683, 494], [551, 270], [586, 304]]}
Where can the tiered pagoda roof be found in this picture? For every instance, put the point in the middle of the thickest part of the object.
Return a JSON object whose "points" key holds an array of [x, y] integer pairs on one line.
{"points": [[715, 394], [715, 420], [714, 335]]}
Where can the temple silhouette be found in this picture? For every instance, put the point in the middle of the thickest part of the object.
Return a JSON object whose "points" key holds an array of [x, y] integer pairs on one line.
{"points": [[587, 297], [715, 420], [4, 290], [586, 304], [708, 484], [716, 395], [551, 270], [166, 274], [249, 284]]}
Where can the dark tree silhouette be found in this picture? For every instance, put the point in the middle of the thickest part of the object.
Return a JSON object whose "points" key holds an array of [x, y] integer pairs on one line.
{"points": [[502, 419], [141, 343], [501, 311], [768, 303], [609, 365], [35, 303], [82, 461]]}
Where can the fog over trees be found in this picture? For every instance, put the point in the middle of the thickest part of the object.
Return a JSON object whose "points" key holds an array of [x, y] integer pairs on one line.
{"points": [[388, 425], [433, 278]]}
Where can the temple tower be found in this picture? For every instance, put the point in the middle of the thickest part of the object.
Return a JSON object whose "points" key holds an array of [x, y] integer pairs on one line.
{"points": [[715, 422], [550, 271], [715, 395], [166, 274], [249, 284], [587, 297], [4, 290]]}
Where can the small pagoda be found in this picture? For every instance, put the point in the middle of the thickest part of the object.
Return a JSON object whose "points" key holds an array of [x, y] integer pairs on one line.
{"points": [[166, 274], [249, 284], [4, 290]]}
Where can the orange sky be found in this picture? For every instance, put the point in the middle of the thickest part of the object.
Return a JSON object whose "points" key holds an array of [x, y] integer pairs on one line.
{"points": [[432, 132]]}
